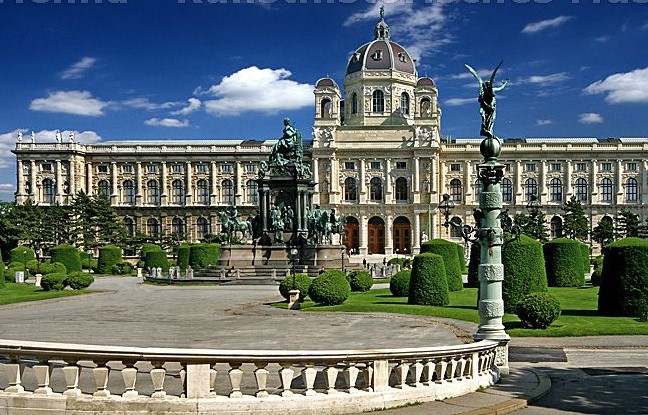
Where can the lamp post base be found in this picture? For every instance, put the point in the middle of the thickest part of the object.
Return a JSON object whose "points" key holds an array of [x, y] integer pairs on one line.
{"points": [[293, 302]]}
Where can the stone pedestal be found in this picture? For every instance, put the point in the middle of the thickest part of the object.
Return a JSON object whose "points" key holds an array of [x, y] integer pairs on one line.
{"points": [[293, 302]]}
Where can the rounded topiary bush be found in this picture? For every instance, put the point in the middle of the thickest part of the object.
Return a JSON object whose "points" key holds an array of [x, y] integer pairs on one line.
{"points": [[524, 271], [330, 288], [79, 280], [302, 283], [450, 255], [52, 268], [149, 247], [428, 284], [399, 283], [68, 256], [624, 280], [538, 310], [473, 265], [202, 255], [360, 281], [564, 263], [597, 263], [462, 258], [21, 254], [157, 259], [54, 282], [183, 256], [109, 256]]}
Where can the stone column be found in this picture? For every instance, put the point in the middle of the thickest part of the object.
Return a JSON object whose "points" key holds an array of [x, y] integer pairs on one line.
{"points": [[59, 181], [519, 198], [72, 176], [238, 184], [416, 234], [435, 226], [388, 186], [89, 178], [138, 183], [468, 183], [213, 196], [437, 179], [416, 193], [335, 195], [189, 186], [593, 184], [362, 188], [542, 196], [569, 191], [163, 185], [363, 235], [318, 188], [115, 191], [618, 178], [389, 235], [20, 180], [32, 178], [644, 185]]}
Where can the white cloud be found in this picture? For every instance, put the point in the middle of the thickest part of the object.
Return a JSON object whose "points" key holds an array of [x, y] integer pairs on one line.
{"points": [[484, 73], [254, 89], [590, 118], [167, 122], [628, 87], [70, 102], [194, 105], [541, 123], [547, 79], [546, 24], [455, 102], [144, 103], [78, 69], [420, 29]]}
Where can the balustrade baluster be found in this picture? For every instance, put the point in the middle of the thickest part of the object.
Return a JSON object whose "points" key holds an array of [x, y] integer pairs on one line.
{"points": [[14, 372], [71, 375], [308, 374], [212, 380], [42, 371], [101, 374], [452, 369], [417, 371], [428, 372], [463, 361], [331, 373], [158, 375], [401, 370], [129, 375], [261, 375], [286, 374], [235, 376], [183, 379], [368, 374], [441, 371], [351, 376]]}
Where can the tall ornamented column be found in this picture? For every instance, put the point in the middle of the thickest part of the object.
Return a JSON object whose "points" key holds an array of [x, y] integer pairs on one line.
{"points": [[438, 175], [415, 181], [363, 235], [59, 181], [114, 199], [593, 183], [213, 195], [318, 187], [389, 232], [335, 196], [32, 179], [238, 183], [618, 178], [416, 234], [163, 185], [189, 185], [20, 181], [388, 185], [89, 178], [72, 176], [468, 183], [362, 188], [542, 196], [569, 191], [138, 183], [644, 185], [519, 198]]}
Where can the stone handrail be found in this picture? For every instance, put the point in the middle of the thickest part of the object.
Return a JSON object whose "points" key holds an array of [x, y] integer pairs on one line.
{"points": [[171, 380]]}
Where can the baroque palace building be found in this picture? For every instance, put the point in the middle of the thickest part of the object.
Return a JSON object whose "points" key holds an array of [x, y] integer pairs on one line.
{"points": [[377, 157]]}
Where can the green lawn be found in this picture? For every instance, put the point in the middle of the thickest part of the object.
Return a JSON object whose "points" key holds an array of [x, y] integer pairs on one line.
{"points": [[18, 293], [578, 318]]}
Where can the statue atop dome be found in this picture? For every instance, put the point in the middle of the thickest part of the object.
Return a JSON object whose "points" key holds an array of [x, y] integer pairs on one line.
{"points": [[381, 31]]}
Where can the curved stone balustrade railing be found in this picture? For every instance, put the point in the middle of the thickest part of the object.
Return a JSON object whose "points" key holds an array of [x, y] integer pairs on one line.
{"points": [[57, 378]]}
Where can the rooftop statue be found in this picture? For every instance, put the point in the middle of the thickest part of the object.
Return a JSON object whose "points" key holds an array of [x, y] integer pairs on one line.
{"points": [[487, 102]]}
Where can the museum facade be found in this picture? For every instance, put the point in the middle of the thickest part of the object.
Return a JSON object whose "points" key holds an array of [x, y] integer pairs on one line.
{"points": [[377, 156]]}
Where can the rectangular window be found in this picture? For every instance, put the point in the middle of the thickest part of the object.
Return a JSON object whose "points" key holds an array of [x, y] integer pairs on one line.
{"points": [[102, 168], [631, 166], [349, 165], [250, 168], [455, 167], [176, 168], [127, 168], [530, 167], [152, 168], [201, 168], [375, 165], [555, 167], [581, 166], [606, 166], [226, 168], [47, 167], [401, 165]]}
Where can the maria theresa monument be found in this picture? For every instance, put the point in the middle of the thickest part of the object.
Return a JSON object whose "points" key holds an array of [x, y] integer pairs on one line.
{"points": [[377, 157]]}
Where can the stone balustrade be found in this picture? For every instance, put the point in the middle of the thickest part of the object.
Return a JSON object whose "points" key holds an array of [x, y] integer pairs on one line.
{"points": [[57, 378]]}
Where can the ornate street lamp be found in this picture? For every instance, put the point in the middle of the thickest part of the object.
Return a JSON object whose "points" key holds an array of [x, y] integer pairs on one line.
{"points": [[446, 206]]}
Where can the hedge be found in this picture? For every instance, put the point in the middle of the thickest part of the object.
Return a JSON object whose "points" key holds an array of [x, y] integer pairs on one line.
{"points": [[202, 255], [538, 310], [109, 255], [157, 259], [462, 258], [56, 281], [149, 247], [473, 265], [68, 256], [21, 254], [524, 271], [624, 281], [330, 288], [564, 263], [449, 253], [428, 283], [585, 253], [360, 281], [399, 283], [302, 283], [183, 256]]}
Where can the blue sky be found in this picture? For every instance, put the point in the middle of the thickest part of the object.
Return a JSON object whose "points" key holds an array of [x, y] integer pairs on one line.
{"points": [[207, 69]]}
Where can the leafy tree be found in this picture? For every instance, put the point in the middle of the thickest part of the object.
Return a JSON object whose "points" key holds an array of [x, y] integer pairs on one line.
{"points": [[8, 227], [603, 232], [57, 225], [29, 219], [628, 224], [533, 225], [575, 224], [96, 222]]}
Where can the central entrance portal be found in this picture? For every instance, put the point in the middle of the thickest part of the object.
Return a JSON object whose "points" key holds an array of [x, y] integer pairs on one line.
{"points": [[376, 236]]}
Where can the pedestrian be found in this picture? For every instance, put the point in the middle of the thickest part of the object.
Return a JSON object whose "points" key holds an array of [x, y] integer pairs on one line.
{"points": [[364, 263]]}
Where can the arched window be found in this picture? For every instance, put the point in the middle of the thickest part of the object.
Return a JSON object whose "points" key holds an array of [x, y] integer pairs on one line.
{"points": [[378, 101], [402, 195], [530, 189], [376, 189], [581, 190], [202, 228], [178, 228], [130, 226], [631, 190], [48, 191], [153, 227], [252, 192], [350, 190], [556, 227], [129, 192], [606, 190], [555, 190], [507, 190], [103, 188], [404, 103], [326, 108], [228, 192], [479, 186], [152, 192], [202, 192], [455, 231], [354, 103], [426, 107], [456, 190], [177, 192]]}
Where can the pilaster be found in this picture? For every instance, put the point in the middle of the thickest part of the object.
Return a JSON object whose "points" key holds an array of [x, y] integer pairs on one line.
{"points": [[189, 186]]}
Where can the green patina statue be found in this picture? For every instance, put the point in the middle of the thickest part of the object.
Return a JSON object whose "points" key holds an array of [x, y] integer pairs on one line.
{"points": [[487, 103], [288, 151]]}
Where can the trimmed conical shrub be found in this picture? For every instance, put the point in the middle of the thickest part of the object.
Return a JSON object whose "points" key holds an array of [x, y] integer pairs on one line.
{"points": [[109, 255], [448, 251], [202, 255], [564, 263], [524, 271], [68, 256], [183, 256], [428, 284], [22, 254], [156, 259]]}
